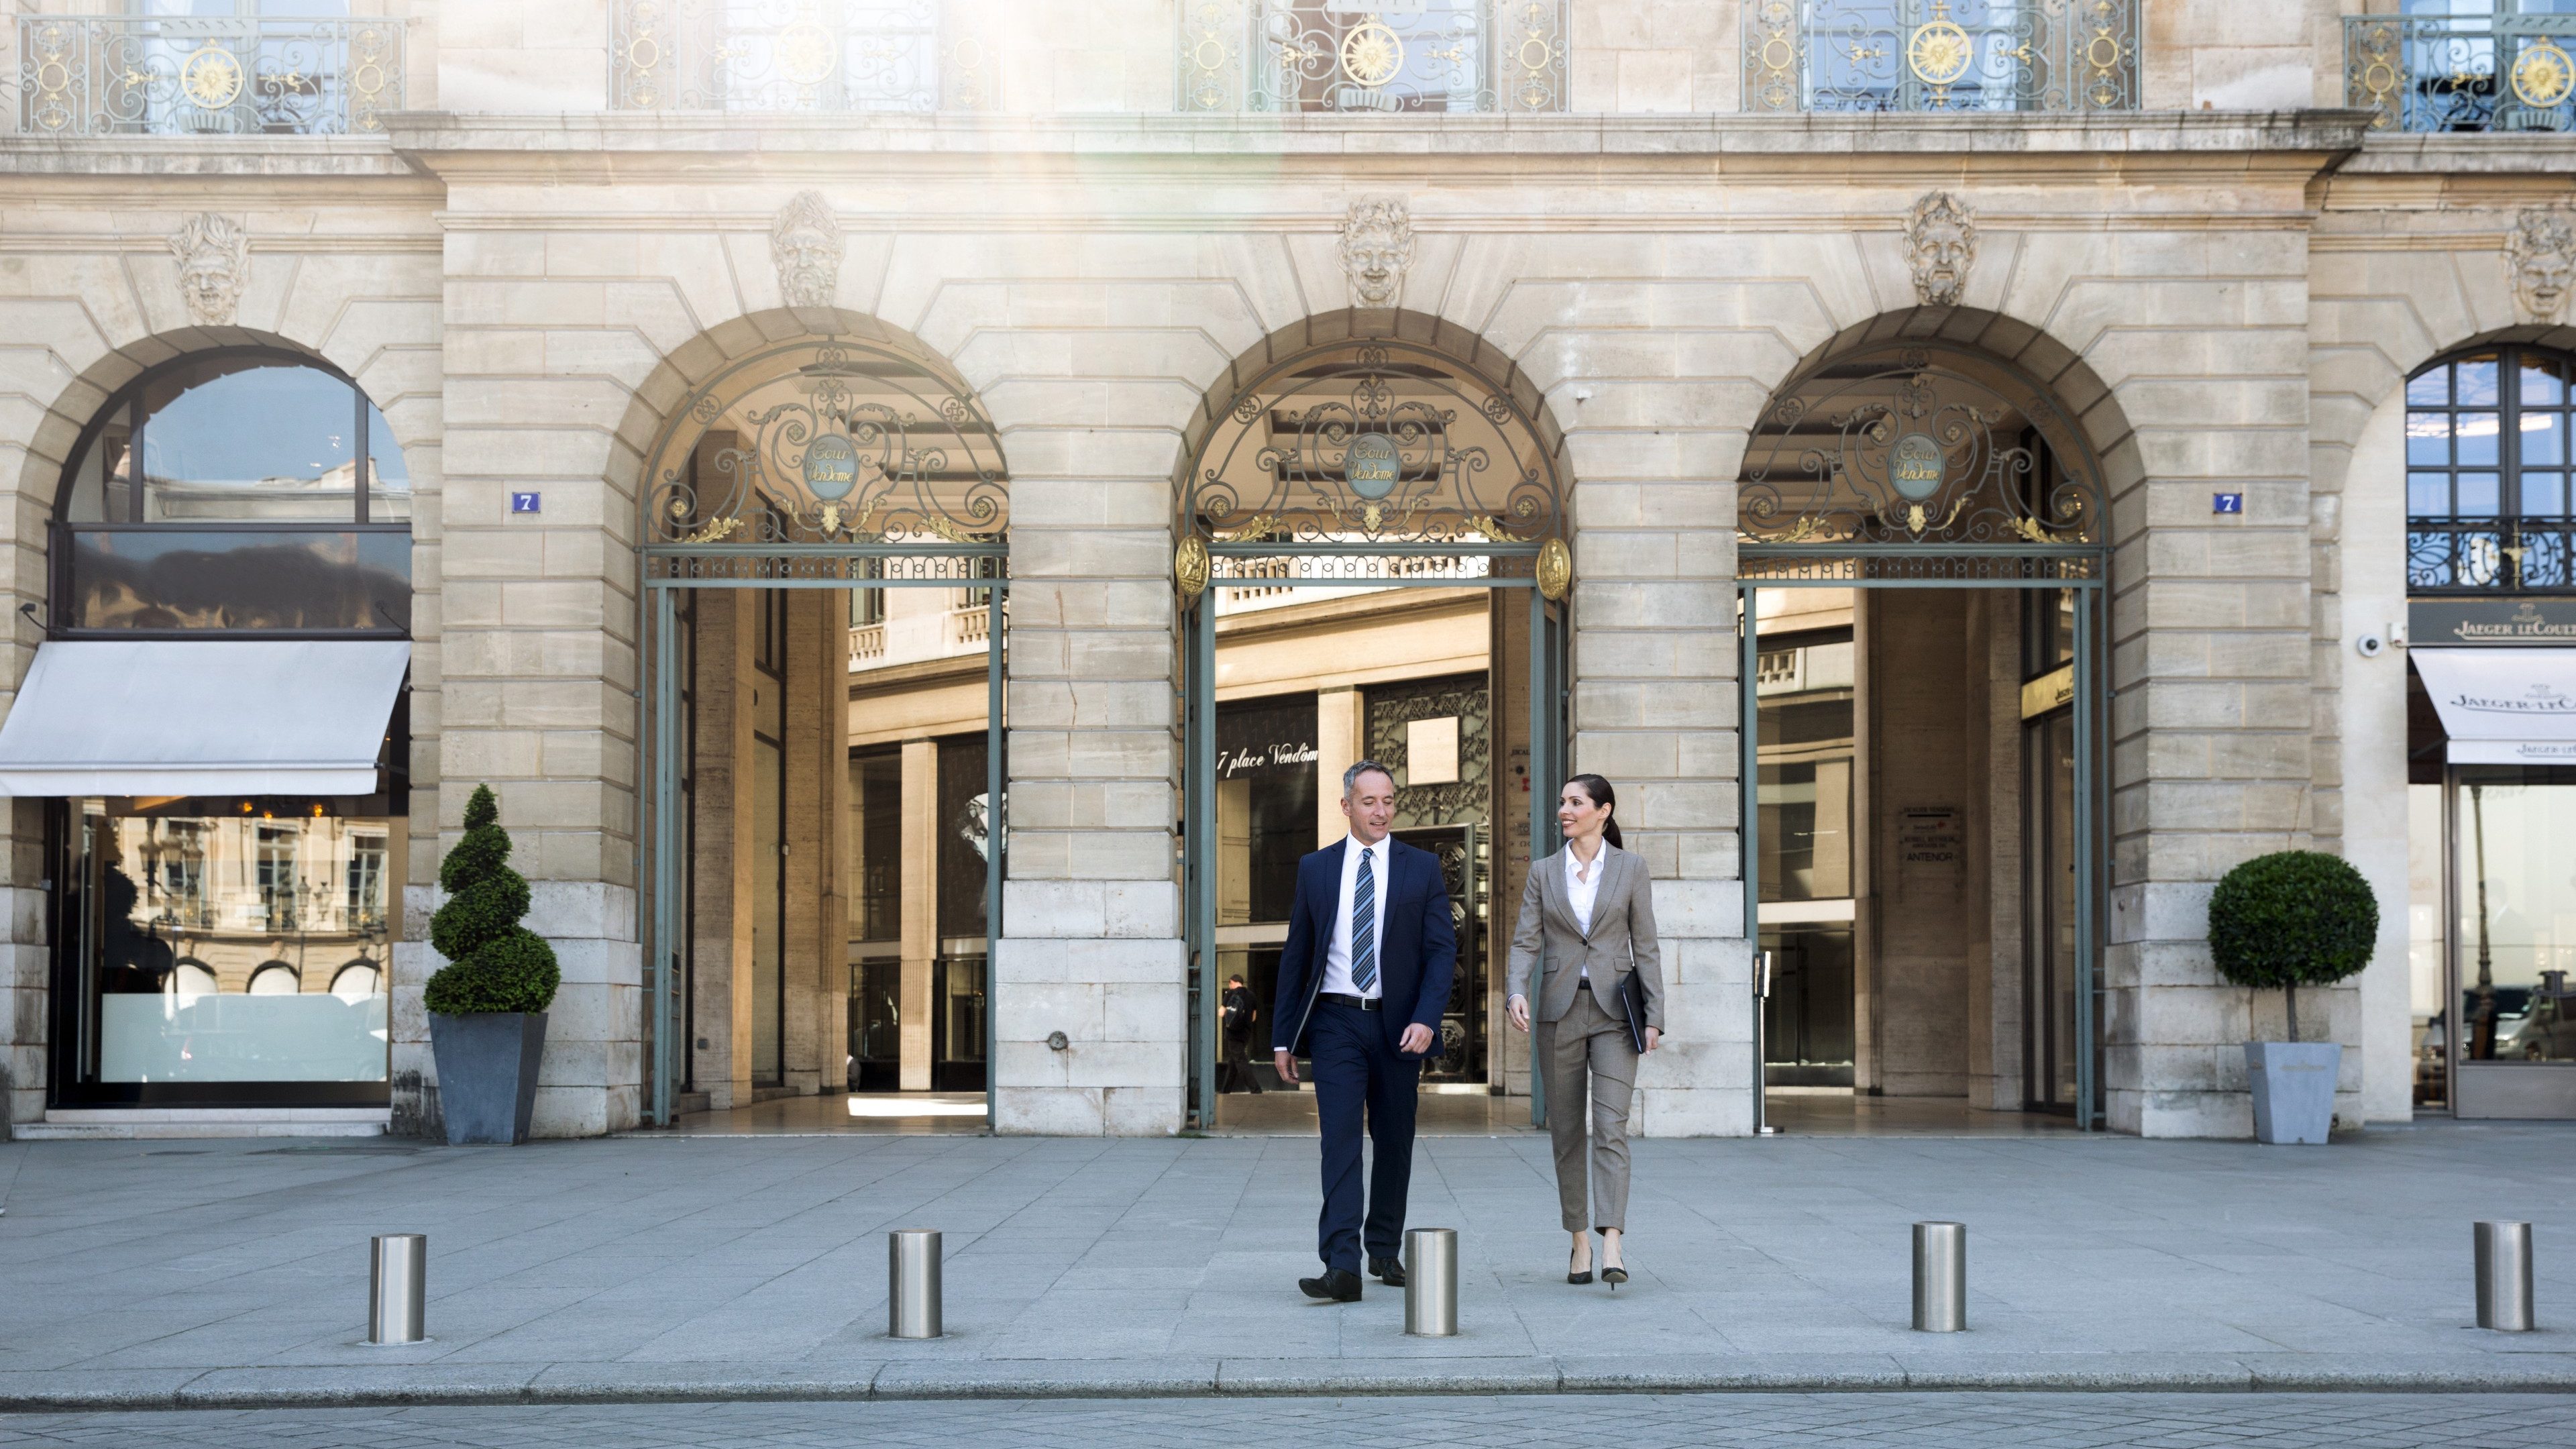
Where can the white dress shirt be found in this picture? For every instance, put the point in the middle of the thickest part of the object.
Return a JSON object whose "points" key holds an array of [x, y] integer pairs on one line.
{"points": [[1337, 949], [1579, 891]]}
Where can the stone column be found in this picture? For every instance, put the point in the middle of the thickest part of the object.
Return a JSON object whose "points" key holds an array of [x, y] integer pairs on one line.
{"points": [[720, 947], [1341, 737], [920, 908], [539, 615], [816, 923]]}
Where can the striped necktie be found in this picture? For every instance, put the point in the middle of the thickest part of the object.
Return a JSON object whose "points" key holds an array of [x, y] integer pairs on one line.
{"points": [[1364, 926]]}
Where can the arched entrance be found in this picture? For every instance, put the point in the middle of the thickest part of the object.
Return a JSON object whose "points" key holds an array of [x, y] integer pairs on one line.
{"points": [[1922, 551], [825, 556], [1417, 467]]}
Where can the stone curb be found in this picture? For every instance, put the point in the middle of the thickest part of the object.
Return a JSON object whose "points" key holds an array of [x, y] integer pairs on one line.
{"points": [[407, 1386]]}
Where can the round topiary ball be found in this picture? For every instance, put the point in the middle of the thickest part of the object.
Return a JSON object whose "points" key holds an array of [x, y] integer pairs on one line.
{"points": [[2290, 919]]}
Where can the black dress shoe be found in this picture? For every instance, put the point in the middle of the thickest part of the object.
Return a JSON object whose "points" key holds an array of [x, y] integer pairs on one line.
{"points": [[1389, 1271], [1340, 1285]]}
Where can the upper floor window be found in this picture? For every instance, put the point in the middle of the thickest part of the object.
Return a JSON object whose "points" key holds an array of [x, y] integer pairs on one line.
{"points": [[210, 67], [2465, 65], [2487, 473], [1940, 55], [800, 55], [1373, 56], [247, 489]]}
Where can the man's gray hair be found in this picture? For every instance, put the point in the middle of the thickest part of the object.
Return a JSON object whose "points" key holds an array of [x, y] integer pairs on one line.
{"points": [[1351, 776]]}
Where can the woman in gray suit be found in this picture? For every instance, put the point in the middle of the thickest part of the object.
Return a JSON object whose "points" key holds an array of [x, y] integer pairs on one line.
{"points": [[1589, 913]]}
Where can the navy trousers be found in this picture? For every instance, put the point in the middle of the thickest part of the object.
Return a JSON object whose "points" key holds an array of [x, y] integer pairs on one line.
{"points": [[1355, 1072]]}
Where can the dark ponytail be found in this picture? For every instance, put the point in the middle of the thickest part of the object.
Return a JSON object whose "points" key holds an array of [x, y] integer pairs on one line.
{"points": [[1598, 791]]}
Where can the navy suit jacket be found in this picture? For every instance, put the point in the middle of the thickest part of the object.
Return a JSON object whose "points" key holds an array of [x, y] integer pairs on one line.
{"points": [[1417, 950]]}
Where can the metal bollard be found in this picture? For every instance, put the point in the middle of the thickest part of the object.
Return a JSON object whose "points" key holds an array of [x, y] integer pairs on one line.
{"points": [[2504, 1276], [912, 1283], [1940, 1277], [1431, 1282], [397, 1280]]}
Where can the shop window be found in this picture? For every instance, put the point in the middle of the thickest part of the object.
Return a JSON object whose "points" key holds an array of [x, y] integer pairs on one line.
{"points": [[246, 489], [2487, 460], [218, 1002]]}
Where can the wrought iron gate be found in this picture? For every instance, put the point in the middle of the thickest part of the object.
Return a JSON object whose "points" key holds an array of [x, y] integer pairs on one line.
{"points": [[1373, 464], [1926, 466], [827, 463]]}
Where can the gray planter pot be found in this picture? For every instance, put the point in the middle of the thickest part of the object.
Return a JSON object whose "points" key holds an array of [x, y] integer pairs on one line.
{"points": [[2294, 1087], [487, 1073]]}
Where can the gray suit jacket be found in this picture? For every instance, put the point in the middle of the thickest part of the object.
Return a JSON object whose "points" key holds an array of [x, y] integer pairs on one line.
{"points": [[1622, 938]]}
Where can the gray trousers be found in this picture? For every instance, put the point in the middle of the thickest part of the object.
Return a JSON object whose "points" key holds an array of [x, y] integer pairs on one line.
{"points": [[1589, 1069]]}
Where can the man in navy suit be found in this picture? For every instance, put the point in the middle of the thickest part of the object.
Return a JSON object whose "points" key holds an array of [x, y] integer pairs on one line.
{"points": [[1363, 981]]}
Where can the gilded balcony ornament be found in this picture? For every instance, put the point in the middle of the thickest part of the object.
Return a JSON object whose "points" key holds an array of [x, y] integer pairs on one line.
{"points": [[1939, 52], [1190, 568], [2543, 75], [1372, 54], [212, 77], [1555, 570]]}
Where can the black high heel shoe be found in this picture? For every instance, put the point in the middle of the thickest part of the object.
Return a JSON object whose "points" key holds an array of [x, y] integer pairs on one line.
{"points": [[1570, 1275], [1614, 1275]]}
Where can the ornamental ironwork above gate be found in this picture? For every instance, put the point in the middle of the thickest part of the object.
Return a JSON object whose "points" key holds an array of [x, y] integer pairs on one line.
{"points": [[1379, 446], [828, 450], [1917, 453]]}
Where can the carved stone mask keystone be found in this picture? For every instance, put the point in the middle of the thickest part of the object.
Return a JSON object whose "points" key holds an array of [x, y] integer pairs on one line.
{"points": [[1940, 247], [805, 242], [2540, 258], [214, 261], [1376, 247]]}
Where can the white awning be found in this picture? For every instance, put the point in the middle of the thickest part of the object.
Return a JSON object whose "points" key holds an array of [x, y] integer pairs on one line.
{"points": [[2503, 706], [202, 717]]}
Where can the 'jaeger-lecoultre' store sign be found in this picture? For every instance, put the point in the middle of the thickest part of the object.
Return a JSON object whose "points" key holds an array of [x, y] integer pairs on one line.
{"points": [[2435, 623]]}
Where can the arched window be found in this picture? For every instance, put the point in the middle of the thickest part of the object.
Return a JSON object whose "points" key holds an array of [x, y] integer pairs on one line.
{"points": [[357, 981], [275, 978], [193, 979], [244, 489], [2487, 459]]}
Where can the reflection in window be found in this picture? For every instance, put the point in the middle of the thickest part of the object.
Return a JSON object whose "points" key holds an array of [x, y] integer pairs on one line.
{"points": [[207, 949], [242, 489], [2517, 915], [2487, 459]]}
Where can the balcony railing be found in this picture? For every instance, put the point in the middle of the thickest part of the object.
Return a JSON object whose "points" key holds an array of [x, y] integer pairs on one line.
{"points": [[2462, 73], [798, 55], [2489, 556], [1372, 56], [1940, 55], [107, 75]]}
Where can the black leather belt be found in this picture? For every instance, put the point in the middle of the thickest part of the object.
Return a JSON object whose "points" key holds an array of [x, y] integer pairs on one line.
{"points": [[1364, 1003]]}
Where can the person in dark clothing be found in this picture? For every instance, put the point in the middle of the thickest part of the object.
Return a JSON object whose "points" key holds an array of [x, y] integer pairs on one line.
{"points": [[1239, 1014]]}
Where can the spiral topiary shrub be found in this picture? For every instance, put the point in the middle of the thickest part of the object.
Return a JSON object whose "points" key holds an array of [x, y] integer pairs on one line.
{"points": [[2291, 919], [494, 963]]}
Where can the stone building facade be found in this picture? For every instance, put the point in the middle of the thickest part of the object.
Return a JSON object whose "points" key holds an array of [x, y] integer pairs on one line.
{"points": [[2223, 279]]}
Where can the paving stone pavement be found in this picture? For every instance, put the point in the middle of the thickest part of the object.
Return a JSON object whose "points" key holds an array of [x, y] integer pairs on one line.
{"points": [[234, 1274], [1916, 1421]]}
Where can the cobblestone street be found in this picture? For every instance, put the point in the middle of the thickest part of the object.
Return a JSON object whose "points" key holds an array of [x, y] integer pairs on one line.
{"points": [[1812, 1421]]}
